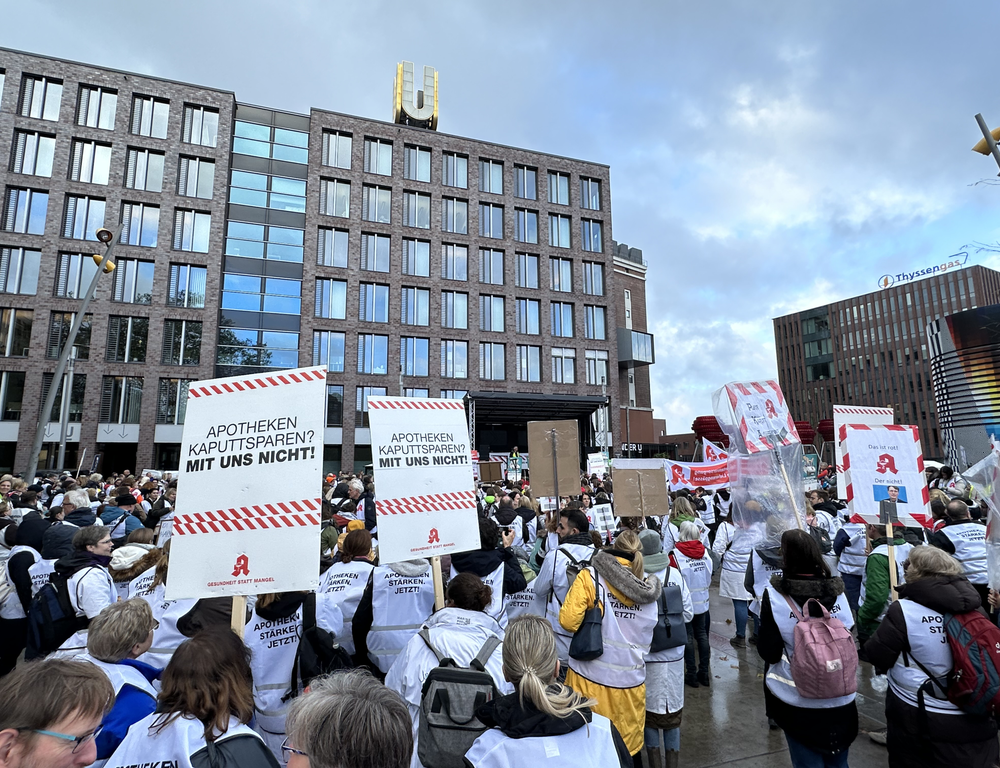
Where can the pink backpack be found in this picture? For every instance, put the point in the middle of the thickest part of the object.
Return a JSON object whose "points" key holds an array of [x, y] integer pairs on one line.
{"points": [[825, 660]]}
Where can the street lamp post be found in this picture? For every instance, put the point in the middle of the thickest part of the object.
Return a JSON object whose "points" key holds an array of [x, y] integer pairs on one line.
{"points": [[67, 390], [109, 239]]}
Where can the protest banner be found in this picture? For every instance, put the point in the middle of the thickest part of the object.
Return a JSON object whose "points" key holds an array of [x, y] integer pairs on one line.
{"points": [[556, 448], [597, 464], [490, 471], [760, 413], [710, 475], [711, 452], [237, 530], [852, 414], [641, 487], [984, 477], [426, 502]]}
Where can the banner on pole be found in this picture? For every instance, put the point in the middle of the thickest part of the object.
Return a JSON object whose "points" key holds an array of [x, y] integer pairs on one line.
{"points": [[711, 452], [597, 464], [759, 413], [853, 414], [426, 501], [236, 530], [710, 475]]}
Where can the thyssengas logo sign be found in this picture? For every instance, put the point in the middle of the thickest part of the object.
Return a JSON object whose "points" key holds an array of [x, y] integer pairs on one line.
{"points": [[955, 261]]}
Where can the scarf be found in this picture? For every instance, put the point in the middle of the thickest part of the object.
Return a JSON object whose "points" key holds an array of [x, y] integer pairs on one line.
{"points": [[102, 560], [678, 519]]}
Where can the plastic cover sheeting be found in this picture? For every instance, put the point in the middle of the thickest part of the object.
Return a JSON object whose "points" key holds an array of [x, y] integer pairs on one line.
{"points": [[984, 477]]}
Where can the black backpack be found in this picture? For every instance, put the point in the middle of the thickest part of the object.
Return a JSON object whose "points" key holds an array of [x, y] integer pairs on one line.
{"points": [[670, 630], [318, 653], [822, 538], [51, 617]]}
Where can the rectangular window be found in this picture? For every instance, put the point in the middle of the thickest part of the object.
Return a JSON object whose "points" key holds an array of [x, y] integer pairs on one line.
{"points": [[334, 405], [373, 354], [416, 392], [378, 157], [376, 203], [24, 211], [454, 262], [415, 306], [244, 347], [416, 163], [491, 220], [15, 332], [375, 253], [453, 394], [33, 154], [491, 176], [591, 235], [491, 313], [149, 117], [96, 107], [74, 274], [454, 309], [127, 339], [414, 355], [181, 342], [337, 149], [593, 278], [491, 361], [328, 350], [331, 299], [561, 272], [529, 363], [525, 182], [195, 178], [558, 188], [454, 359], [90, 162], [144, 170], [590, 194], [186, 286], [594, 323], [526, 274], [562, 319], [416, 210], [132, 282], [416, 257], [597, 366], [454, 215], [40, 97], [454, 170], [121, 400], [171, 401], [191, 231], [525, 225], [201, 126], [528, 311], [83, 217], [559, 231], [11, 386], [361, 414], [335, 198], [563, 365], [141, 224], [60, 324], [76, 398], [373, 304], [19, 270], [332, 248], [490, 266]]}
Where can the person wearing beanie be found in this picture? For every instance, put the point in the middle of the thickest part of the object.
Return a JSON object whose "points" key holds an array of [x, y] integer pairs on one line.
{"points": [[695, 565], [124, 517]]}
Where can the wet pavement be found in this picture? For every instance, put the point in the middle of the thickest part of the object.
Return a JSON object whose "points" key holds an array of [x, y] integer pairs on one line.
{"points": [[724, 725]]}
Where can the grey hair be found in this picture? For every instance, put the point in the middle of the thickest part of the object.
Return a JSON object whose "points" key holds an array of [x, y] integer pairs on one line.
{"points": [[350, 720], [113, 632], [930, 561], [78, 498], [357, 485], [688, 531]]}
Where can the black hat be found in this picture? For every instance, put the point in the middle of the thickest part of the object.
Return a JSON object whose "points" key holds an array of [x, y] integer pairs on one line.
{"points": [[36, 488], [125, 500]]}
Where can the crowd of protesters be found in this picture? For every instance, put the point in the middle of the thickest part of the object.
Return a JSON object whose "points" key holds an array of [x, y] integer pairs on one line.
{"points": [[581, 627]]}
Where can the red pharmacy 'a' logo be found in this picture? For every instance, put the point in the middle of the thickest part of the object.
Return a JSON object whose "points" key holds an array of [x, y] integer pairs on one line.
{"points": [[677, 475], [769, 409], [242, 567], [886, 464], [434, 538]]}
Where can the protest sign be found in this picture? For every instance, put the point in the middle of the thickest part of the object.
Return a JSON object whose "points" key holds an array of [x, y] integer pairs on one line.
{"points": [[426, 501], [602, 519], [760, 414], [711, 452], [641, 487], [597, 464], [566, 457], [490, 471], [709, 475], [984, 477], [883, 463], [237, 530], [852, 414], [475, 465]]}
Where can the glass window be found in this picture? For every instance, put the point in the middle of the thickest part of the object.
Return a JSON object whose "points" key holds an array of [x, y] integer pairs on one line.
{"points": [[561, 275], [416, 392], [491, 176], [132, 281], [373, 306], [74, 274], [191, 231], [331, 299], [373, 354], [558, 188], [562, 319], [454, 309], [84, 216], [525, 182], [290, 146], [75, 401], [453, 394], [594, 323], [491, 313], [332, 248], [526, 225], [454, 262], [90, 162], [25, 210], [415, 306], [337, 149], [455, 215], [376, 203], [19, 270], [40, 97], [121, 400], [526, 274], [454, 359], [593, 278], [529, 363], [149, 117], [490, 266], [334, 405], [590, 194], [414, 356], [416, 210], [15, 332], [378, 156], [559, 231], [528, 311], [361, 414], [375, 253], [181, 342], [142, 223], [335, 197], [416, 163], [186, 287], [597, 366], [60, 325], [201, 126], [491, 361], [127, 339], [591, 232], [96, 107], [455, 170], [33, 153], [144, 170], [491, 220], [196, 178], [12, 383], [563, 365], [282, 296], [328, 350], [416, 257], [171, 401]]}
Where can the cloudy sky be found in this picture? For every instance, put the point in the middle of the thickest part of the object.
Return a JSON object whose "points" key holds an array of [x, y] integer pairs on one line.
{"points": [[766, 156]]}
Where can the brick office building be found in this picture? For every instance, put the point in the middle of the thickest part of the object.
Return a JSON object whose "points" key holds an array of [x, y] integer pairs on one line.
{"points": [[402, 258]]}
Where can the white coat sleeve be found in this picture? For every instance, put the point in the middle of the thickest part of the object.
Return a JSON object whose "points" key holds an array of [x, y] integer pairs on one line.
{"points": [[94, 591], [328, 614]]}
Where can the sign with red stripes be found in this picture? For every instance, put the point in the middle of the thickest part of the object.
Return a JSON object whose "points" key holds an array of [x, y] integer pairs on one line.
{"points": [[853, 414], [759, 411], [247, 516], [425, 497]]}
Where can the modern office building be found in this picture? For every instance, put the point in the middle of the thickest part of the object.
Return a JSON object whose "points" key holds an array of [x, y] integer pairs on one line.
{"points": [[873, 349], [403, 259]]}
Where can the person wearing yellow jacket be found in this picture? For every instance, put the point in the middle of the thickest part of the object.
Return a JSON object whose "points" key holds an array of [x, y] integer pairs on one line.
{"points": [[627, 597]]}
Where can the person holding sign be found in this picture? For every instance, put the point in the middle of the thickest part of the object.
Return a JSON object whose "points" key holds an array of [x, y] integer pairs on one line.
{"points": [[875, 596]]}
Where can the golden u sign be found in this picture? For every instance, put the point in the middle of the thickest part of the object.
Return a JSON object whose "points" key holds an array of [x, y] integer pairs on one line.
{"points": [[412, 106]]}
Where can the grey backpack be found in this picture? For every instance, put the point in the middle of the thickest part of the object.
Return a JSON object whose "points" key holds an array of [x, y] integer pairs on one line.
{"points": [[448, 701]]}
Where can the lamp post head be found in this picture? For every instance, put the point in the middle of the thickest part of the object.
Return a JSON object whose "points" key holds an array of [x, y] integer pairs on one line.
{"points": [[108, 267], [105, 235]]}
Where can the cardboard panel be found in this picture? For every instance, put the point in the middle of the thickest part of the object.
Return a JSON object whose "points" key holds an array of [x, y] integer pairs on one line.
{"points": [[640, 493], [490, 471], [567, 455]]}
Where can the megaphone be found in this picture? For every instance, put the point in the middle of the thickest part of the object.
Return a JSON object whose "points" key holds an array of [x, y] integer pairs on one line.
{"points": [[107, 267]]}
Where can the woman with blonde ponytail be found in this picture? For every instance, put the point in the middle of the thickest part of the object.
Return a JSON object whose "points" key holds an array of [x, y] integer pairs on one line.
{"points": [[542, 714]]}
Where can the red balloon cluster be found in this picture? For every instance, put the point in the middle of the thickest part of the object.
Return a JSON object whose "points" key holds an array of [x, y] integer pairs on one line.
{"points": [[707, 428], [826, 429], [806, 432]]}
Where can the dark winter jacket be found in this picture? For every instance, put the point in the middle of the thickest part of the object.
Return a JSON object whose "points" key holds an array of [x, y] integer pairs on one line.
{"points": [[484, 562], [32, 529], [367, 503], [57, 541], [160, 509]]}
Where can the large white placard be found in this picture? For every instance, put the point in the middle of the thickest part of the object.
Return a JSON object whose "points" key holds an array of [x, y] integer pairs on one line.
{"points": [[853, 414], [425, 497], [759, 412], [247, 516]]}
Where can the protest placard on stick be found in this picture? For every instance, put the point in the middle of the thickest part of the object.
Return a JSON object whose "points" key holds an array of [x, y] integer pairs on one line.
{"points": [[853, 414], [555, 446]]}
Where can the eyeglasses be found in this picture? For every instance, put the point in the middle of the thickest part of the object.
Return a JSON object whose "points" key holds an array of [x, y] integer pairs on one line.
{"points": [[78, 741], [156, 626], [287, 751]]}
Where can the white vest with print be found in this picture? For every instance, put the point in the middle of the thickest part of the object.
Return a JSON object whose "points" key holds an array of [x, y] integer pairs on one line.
{"points": [[560, 586], [494, 581], [400, 605], [970, 549], [39, 573], [901, 553], [698, 576], [852, 559], [627, 632], [90, 577], [273, 645], [589, 746], [762, 573], [166, 637], [524, 602], [779, 676], [173, 746], [121, 675], [347, 581], [929, 644], [140, 585]]}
